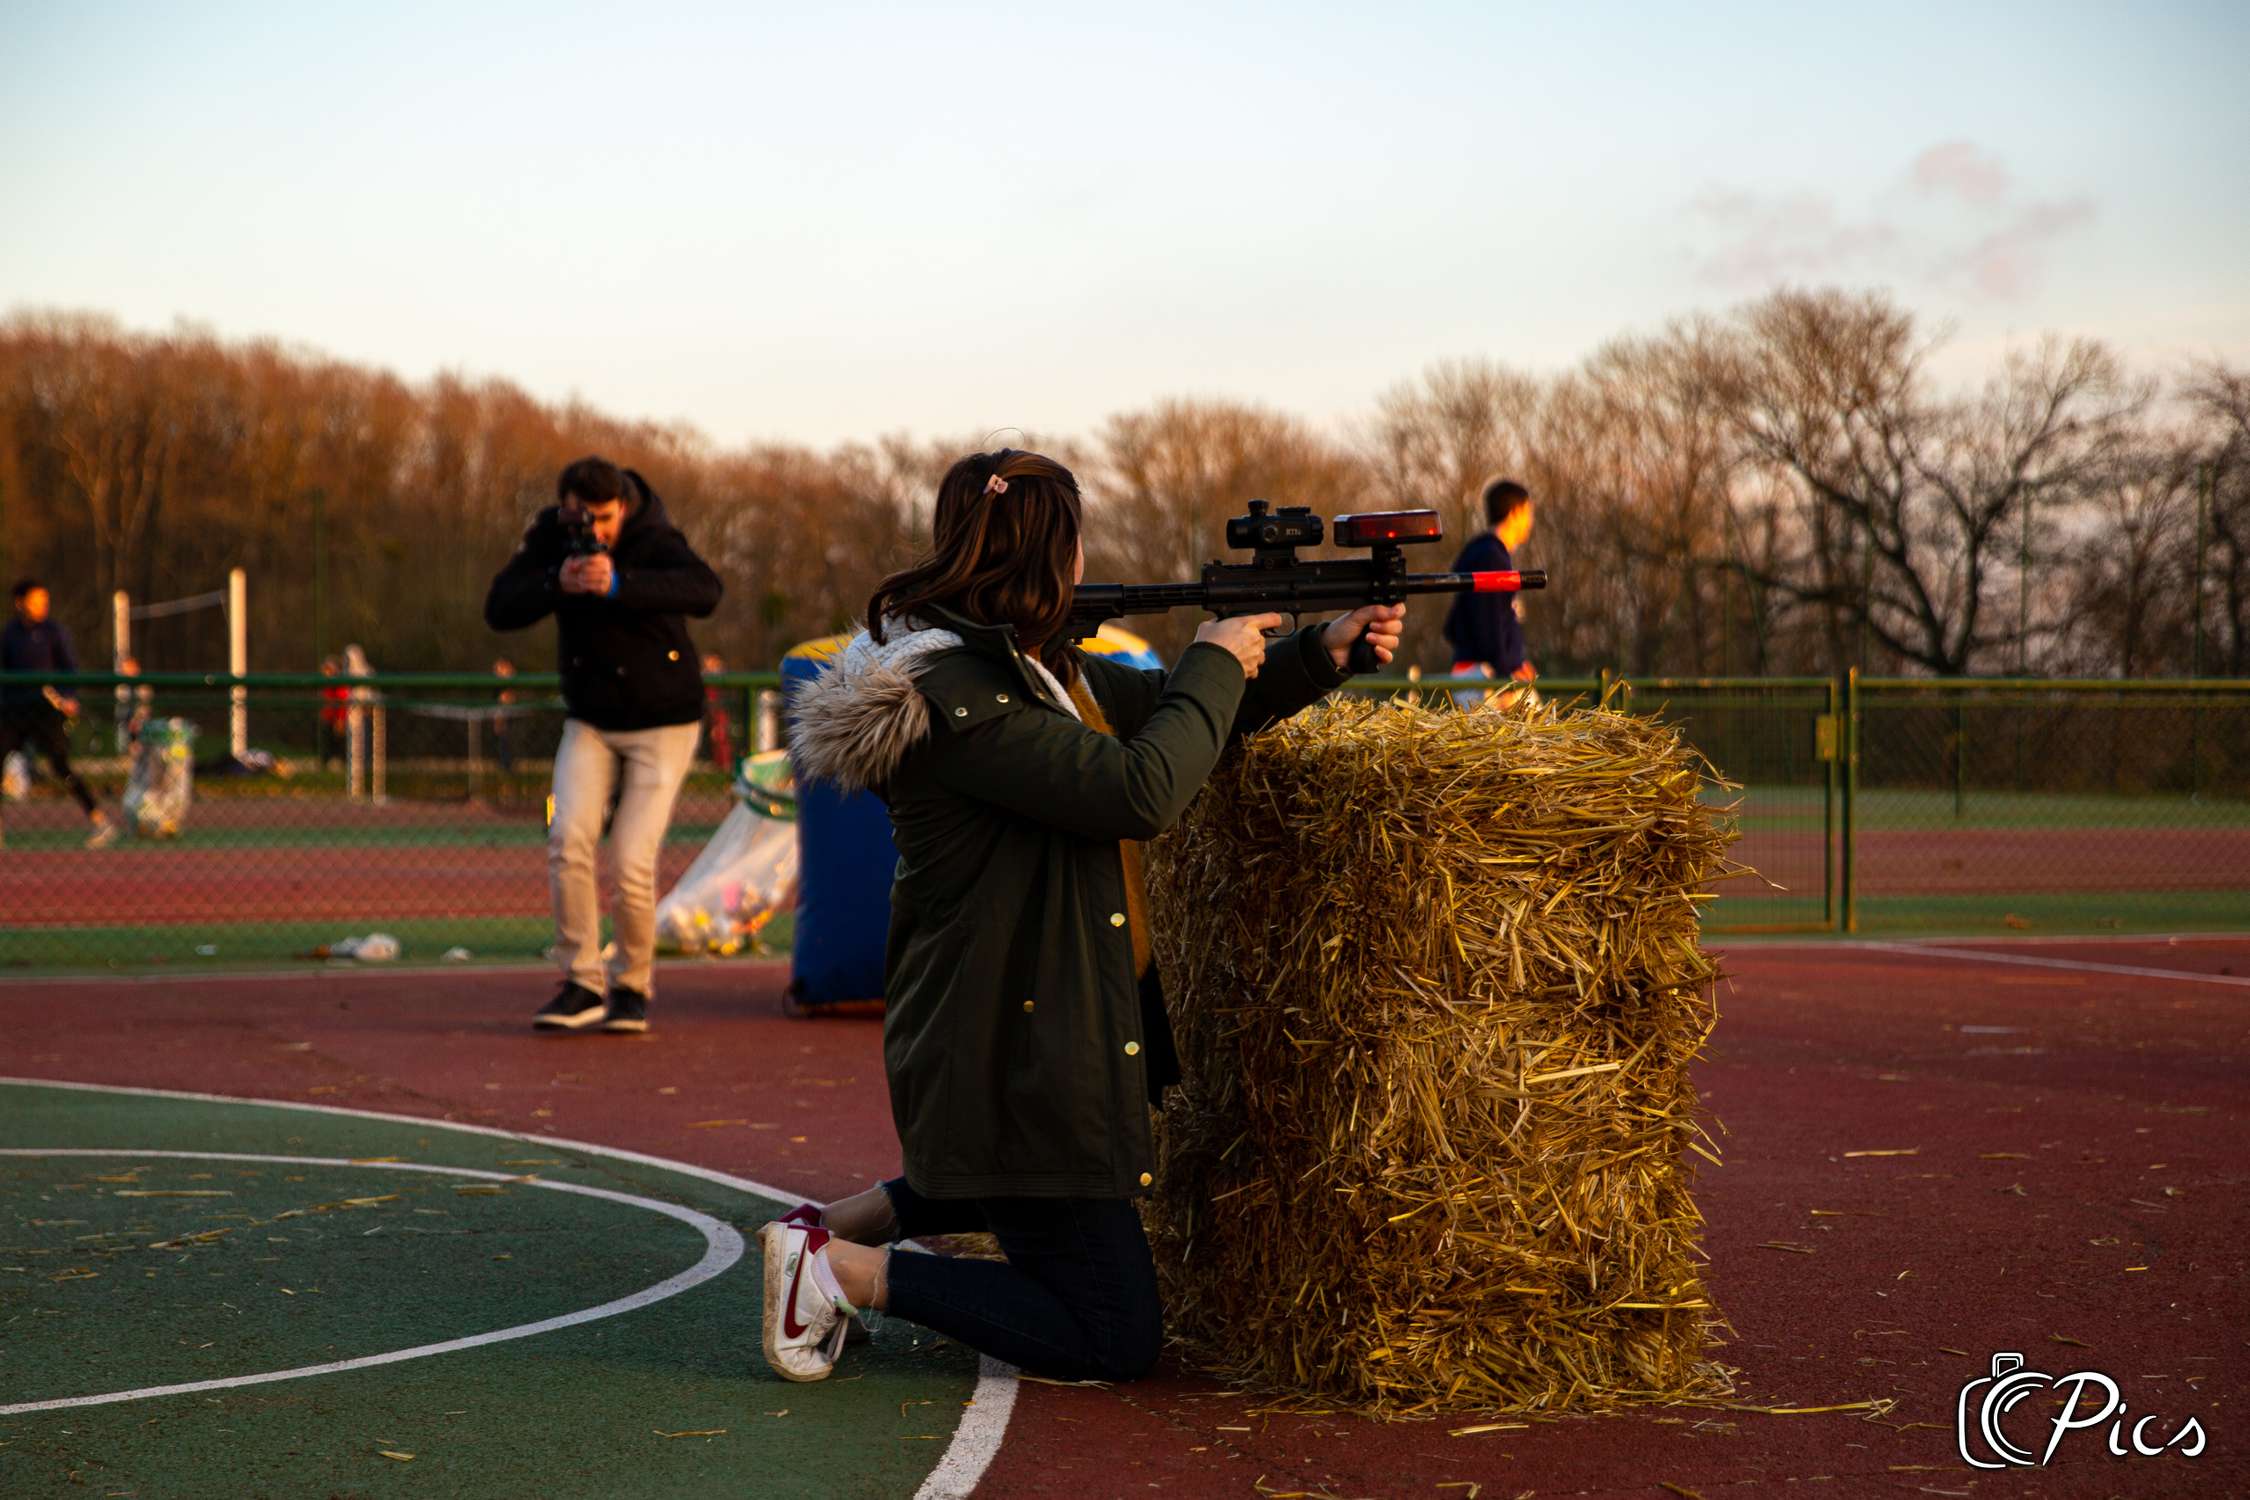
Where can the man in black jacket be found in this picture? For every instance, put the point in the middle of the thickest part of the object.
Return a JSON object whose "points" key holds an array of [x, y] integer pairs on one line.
{"points": [[37, 715], [618, 577], [1486, 636]]}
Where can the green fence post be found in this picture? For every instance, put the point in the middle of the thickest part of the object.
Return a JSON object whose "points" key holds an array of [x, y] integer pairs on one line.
{"points": [[1835, 749], [1849, 812], [1960, 752]]}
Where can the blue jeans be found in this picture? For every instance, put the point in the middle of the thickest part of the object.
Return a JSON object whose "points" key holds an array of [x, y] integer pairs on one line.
{"points": [[1076, 1299]]}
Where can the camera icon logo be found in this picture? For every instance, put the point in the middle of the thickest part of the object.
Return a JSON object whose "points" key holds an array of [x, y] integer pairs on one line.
{"points": [[1980, 1416]]}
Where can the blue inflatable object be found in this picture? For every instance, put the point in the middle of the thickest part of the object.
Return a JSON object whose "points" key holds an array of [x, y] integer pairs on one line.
{"points": [[845, 857]]}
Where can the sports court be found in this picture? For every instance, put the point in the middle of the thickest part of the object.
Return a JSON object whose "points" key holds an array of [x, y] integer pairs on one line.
{"points": [[392, 1221]]}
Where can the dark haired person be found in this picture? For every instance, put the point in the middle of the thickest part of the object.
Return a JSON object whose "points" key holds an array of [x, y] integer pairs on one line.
{"points": [[1025, 1037], [1487, 637], [635, 701], [36, 715]]}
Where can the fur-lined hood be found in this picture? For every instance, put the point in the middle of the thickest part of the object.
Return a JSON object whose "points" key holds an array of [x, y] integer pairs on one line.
{"points": [[854, 723]]}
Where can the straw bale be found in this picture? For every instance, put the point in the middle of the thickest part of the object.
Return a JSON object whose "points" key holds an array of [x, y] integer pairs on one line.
{"points": [[1437, 981]]}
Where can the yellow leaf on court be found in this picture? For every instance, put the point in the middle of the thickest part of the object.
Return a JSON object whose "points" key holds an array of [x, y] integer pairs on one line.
{"points": [[713, 1124], [404, 1458]]}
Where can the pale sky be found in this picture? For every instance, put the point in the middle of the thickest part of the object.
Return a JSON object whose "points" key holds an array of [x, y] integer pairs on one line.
{"points": [[820, 222]]}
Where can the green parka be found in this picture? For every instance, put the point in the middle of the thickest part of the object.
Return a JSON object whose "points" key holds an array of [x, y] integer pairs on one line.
{"points": [[1022, 1050]]}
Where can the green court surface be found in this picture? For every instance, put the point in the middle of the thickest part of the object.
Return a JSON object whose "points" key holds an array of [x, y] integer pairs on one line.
{"points": [[179, 946], [562, 1321]]}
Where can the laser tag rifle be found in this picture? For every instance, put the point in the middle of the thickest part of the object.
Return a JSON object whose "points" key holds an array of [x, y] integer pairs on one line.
{"points": [[1275, 579]]}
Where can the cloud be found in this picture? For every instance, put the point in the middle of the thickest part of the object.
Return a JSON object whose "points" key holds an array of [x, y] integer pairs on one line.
{"points": [[1796, 234], [2005, 262], [1958, 167], [1960, 223]]}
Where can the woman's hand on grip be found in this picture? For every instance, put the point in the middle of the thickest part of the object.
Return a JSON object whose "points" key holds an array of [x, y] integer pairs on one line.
{"points": [[1243, 636], [1383, 623]]}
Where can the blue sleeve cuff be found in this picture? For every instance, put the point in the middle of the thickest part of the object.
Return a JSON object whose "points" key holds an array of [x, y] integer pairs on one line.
{"points": [[611, 591]]}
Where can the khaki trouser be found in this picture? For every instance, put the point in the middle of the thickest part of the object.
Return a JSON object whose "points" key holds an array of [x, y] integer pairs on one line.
{"points": [[587, 765]]}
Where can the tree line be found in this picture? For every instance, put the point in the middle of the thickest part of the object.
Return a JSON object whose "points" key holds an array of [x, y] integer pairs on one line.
{"points": [[1787, 488]]}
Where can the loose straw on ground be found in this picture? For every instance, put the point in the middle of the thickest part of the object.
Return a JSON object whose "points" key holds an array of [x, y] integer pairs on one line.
{"points": [[1437, 981]]}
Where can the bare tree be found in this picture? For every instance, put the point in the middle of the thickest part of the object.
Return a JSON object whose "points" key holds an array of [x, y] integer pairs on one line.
{"points": [[2125, 586], [1164, 480], [2219, 395], [1912, 499]]}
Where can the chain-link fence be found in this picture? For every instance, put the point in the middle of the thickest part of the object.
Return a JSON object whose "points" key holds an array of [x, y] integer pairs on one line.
{"points": [[269, 820], [320, 808], [1966, 805], [2070, 806]]}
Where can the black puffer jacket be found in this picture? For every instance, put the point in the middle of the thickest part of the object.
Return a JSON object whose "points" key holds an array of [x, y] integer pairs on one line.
{"points": [[625, 657]]}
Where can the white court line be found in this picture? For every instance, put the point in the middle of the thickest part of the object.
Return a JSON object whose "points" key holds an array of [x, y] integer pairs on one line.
{"points": [[722, 1247], [2033, 940], [2025, 960], [2013, 940], [977, 1441], [983, 1424]]}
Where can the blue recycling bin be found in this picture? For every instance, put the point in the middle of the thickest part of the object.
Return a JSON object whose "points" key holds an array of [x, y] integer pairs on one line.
{"points": [[845, 857]]}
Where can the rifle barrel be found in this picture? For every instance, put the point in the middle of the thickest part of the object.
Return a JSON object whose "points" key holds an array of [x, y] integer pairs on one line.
{"points": [[1291, 592]]}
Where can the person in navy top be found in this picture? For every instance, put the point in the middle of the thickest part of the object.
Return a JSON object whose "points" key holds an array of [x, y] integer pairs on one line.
{"points": [[36, 715], [1486, 636]]}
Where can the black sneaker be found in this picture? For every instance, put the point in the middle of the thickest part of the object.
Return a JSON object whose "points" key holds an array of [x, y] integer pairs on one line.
{"points": [[628, 1010], [573, 1008]]}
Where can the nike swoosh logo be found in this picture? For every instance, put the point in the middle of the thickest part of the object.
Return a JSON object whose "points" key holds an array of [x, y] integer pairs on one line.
{"points": [[790, 1327]]}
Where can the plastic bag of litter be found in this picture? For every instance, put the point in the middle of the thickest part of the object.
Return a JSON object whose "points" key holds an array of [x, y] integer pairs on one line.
{"points": [[375, 948], [160, 787], [745, 876]]}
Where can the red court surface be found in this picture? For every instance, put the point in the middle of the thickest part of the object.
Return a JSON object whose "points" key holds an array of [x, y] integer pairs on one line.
{"points": [[255, 862], [1934, 1153]]}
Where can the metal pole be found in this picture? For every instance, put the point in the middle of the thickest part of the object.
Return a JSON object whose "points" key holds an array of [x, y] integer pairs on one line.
{"points": [[1960, 753], [2195, 651], [2023, 594], [238, 659], [320, 575], [379, 755], [1850, 810], [1828, 809], [121, 646], [355, 757]]}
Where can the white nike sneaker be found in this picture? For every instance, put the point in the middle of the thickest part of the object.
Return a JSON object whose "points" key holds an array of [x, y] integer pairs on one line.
{"points": [[856, 1330], [806, 1312]]}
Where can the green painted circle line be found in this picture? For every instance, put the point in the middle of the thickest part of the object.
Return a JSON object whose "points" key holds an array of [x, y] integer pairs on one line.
{"points": [[722, 1247]]}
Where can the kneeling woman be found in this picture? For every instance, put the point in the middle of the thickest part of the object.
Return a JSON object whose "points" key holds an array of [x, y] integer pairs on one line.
{"points": [[1025, 1038]]}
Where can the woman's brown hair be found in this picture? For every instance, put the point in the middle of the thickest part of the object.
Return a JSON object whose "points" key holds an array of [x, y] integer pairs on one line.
{"points": [[1000, 558]]}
